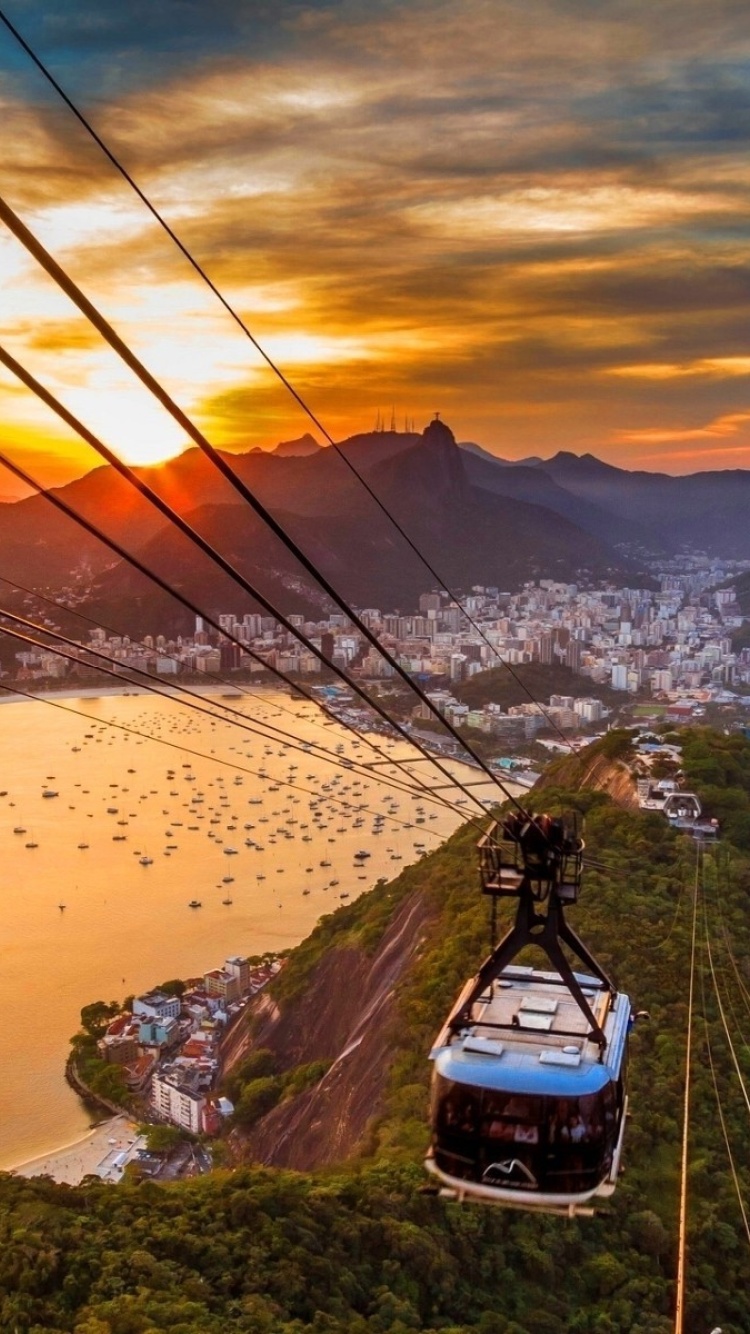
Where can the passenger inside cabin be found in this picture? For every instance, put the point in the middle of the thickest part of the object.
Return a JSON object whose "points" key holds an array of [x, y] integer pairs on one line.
{"points": [[578, 1130]]}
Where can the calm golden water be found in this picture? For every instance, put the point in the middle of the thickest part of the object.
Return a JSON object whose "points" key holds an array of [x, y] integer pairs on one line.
{"points": [[126, 926]]}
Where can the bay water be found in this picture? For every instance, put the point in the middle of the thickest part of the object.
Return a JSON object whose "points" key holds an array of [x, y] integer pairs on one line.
{"points": [[150, 807]]}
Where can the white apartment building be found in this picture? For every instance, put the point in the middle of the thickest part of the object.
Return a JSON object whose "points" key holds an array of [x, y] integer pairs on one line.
{"points": [[157, 1005], [177, 1102]]}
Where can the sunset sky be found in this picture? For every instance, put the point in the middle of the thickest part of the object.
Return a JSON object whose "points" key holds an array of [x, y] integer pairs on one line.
{"points": [[532, 216]]}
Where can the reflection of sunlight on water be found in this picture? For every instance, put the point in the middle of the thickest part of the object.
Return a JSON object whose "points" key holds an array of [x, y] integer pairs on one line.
{"points": [[196, 824]]}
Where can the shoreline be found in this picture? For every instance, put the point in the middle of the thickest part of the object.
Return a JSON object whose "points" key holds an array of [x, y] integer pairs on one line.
{"points": [[103, 1151], [9, 696], [61, 1148], [88, 1152]]}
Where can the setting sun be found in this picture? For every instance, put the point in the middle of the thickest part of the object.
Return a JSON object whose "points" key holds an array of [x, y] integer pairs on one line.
{"points": [[135, 427]]}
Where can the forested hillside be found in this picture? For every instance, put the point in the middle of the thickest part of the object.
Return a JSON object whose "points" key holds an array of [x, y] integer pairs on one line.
{"points": [[531, 679], [358, 1247]]}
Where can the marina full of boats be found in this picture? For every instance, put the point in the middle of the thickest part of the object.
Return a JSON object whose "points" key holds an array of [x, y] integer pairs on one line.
{"points": [[173, 839]]}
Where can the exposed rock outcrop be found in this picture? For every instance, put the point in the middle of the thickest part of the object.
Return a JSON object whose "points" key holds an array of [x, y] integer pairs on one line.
{"points": [[344, 1017], [594, 770]]}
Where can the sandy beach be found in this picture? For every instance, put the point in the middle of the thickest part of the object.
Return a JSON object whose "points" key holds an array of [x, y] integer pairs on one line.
{"points": [[104, 1151]]}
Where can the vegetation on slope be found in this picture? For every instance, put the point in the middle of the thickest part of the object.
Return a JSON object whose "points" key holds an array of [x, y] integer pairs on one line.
{"points": [[497, 686], [359, 1248], [717, 767], [104, 1080]]}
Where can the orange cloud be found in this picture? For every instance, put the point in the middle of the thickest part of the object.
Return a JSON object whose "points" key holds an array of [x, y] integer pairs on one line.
{"points": [[405, 207], [719, 429]]}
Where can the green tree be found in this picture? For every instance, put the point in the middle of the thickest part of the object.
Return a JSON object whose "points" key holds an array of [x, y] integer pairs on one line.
{"points": [[96, 1017], [108, 1082], [162, 1139], [174, 987], [257, 1098]]}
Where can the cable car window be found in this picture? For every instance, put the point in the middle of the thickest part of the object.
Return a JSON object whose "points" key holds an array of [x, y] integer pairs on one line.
{"points": [[456, 1116], [580, 1136], [511, 1118], [457, 1108], [622, 1082], [577, 1120], [559, 1144]]}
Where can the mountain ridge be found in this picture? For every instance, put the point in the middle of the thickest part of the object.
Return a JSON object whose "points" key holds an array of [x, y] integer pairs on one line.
{"points": [[477, 519], [468, 532]]}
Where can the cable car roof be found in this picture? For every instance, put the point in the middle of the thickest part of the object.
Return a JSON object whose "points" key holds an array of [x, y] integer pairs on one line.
{"points": [[528, 1035]]}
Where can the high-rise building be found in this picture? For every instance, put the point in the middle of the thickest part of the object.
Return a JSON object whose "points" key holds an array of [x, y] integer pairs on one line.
{"points": [[240, 969], [252, 626], [175, 1100], [573, 655], [457, 666], [546, 643], [220, 982], [451, 618]]}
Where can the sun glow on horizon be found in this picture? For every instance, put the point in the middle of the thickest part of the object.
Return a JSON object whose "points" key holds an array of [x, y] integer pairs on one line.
{"points": [[137, 429]]}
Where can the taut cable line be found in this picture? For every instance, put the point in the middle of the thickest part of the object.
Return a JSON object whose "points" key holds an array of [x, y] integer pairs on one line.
{"points": [[56, 500], [722, 1118], [197, 703], [272, 365], [241, 687], [189, 750], [682, 1225], [206, 547], [97, 320], [722, 1014]]}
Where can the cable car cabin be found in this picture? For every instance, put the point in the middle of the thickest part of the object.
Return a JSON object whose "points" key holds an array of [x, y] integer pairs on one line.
{"points": [[682, 806], [528, 1096], [528, 1110]]}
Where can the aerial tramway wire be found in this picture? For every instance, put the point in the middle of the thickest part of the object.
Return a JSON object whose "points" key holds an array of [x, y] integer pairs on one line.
{"points": [[745, 994], [740, 981], [722, 1118], [239, 686], [67, 285], [197, 703], [207, 548], [274, 367], [682, 1224], [197, 754], [722, 1014], [652, 949], [722, 974], [56, 500]]}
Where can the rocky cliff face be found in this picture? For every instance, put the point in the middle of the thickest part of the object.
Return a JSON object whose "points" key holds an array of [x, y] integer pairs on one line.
{"points": [[345, 1016], [344, 1012], [592, 770]]}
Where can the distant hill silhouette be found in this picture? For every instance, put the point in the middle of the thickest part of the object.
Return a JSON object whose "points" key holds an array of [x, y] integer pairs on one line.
{"points": [[704, 510], [469, 534], [297, 448], [478, 519]]}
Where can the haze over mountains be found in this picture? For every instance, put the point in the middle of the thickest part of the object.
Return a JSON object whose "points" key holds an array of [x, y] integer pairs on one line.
{"points": [[479, 520]]}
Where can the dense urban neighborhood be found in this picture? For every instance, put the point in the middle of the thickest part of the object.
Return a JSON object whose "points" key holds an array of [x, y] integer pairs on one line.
{"points": [[673, 642], [166, 1043]]}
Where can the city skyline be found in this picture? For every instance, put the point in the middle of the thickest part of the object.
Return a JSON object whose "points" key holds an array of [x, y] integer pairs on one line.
{"points": [[538, 227]]}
